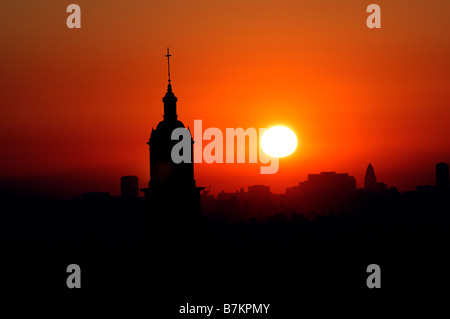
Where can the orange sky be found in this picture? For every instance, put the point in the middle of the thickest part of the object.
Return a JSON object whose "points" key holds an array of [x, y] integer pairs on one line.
{"points": [[77, 106]]}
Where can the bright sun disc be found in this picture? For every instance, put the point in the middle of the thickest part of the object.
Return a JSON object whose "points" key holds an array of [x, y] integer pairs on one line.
{"points": [[278, 141]]}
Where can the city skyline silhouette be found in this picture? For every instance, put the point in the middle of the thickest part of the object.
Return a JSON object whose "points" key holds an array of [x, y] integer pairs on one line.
{"points": [[162, 166], [88, 177], [78, 117]]}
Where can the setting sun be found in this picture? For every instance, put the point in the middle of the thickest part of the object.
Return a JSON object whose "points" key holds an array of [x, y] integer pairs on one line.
{"points": [[279, 141]]}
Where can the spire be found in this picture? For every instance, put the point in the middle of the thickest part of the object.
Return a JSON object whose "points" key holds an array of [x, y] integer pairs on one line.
{"points": [[170, 100], [168, 55]]}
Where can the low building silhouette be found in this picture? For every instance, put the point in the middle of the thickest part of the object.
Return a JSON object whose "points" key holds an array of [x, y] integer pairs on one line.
{"points": [[95, 196], [442, 175], [129, 187], [257, 202]]}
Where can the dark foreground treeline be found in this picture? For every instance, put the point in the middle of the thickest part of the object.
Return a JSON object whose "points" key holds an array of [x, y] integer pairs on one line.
{"points": [[288, 259]]}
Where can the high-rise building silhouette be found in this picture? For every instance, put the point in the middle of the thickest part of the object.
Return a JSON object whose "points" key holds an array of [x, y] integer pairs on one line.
{"points": [[370, 180], [327, 191], [442, 175], [129, 187], [174, 199], [328, 182]]}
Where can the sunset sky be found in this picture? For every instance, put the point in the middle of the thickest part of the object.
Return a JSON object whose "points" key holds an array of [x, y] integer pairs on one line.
{"points": [[78, 106]]}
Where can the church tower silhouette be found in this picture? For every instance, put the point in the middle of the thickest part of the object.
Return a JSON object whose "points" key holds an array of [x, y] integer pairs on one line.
{"points": [[172, 196]]}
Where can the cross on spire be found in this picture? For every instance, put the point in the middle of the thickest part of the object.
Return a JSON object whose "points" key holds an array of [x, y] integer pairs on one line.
{"points": [[168, 55]]}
